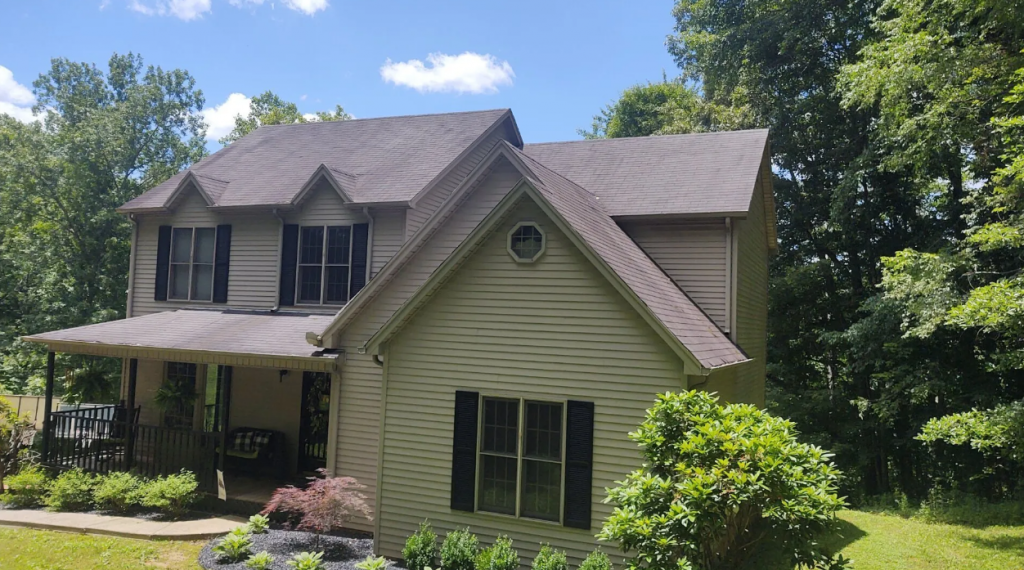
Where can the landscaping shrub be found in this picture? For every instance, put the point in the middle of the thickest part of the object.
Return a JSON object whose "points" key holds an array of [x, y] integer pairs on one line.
{"points": [[459, 550], [502, 556], [258, 524], [234, 547], [596, 560], [26, 489], [70, 491], [326, 504], [16, 434], [173, 494], [421, 548], [117, 492], [717, 480], [259, 561], [550, 559], [373, 563], [307, 561]]}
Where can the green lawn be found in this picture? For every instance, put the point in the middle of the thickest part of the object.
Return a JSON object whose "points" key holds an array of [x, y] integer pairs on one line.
{"points": [[24, 549], [874, 542], [888, 542]]}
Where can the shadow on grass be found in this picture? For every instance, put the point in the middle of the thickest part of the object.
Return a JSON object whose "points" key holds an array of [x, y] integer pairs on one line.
{"points": [[770, 557], [1009, 544]]}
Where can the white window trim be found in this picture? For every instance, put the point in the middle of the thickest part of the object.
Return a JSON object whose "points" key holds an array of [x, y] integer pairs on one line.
{"points": [[521, 427], [323, 266], [191, 263], [543, 242]]}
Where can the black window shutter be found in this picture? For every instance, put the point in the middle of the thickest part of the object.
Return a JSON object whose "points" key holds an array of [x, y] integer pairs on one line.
{"points": [[222, 263], [360, 240], [289, 259], [579, 459], [467, 406], [163, 263]]}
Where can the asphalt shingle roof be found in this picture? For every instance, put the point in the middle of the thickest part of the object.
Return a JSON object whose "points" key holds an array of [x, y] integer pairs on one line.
{"points": [[389, 159], [680, 315], [203, 330], [672, 174]]}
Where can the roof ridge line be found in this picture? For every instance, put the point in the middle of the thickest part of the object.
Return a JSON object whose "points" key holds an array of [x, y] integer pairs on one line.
{"points": [[411, 116], [671, 135]]}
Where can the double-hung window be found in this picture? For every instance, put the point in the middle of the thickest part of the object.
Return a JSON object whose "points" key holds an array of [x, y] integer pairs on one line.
{"points": [[325, 259], [520, 458], [191, 264]]}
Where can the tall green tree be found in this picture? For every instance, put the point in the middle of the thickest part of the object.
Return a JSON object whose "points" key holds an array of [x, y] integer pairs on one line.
{"points": [[269, 109], [104, 137]]}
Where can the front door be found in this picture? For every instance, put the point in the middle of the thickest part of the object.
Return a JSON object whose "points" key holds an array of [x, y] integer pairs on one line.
{"points": [[313, 426]]}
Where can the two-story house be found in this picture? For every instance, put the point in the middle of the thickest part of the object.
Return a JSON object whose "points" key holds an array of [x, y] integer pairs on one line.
{"points": [[468, 325]]}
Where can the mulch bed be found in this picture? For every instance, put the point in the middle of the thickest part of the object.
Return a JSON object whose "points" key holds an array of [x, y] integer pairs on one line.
{"points": [[341, 552]]}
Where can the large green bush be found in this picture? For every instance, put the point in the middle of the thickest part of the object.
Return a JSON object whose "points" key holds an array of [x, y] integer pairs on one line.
{"points": [[716, 481], [71, 491], [117, 492], [173, 494], [26, 489]]}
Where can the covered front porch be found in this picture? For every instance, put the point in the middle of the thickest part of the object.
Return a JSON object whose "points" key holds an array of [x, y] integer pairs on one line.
{"points": [[259, 418]]}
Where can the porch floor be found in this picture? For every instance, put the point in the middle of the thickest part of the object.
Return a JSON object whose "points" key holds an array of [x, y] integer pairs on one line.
{"points": [[250, 489]]}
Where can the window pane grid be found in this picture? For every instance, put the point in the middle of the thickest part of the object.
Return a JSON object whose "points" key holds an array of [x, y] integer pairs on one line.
{"points": [[191, 264], [324, 275], [526, 242], [520, 462]]}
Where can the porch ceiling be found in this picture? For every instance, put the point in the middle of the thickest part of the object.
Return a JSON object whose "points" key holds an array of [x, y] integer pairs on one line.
{"points": [[228, 337]]}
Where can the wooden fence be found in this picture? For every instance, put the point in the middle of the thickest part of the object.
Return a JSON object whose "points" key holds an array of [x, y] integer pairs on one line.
{"points": [[32, 406]]}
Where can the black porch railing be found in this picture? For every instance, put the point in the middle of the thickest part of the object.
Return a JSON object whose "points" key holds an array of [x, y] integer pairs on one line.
{"points": [[102, 440]]}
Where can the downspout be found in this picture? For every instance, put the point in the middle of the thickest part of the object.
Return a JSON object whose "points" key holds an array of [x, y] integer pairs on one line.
{"points": [[131, 266], [369, 244], [280, 251]]}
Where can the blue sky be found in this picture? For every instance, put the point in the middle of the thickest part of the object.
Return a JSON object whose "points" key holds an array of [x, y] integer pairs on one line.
{"points": [[554, 62]]}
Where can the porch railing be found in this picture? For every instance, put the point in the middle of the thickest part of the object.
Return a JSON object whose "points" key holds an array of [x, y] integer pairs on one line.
{"points": [[97, 440]]}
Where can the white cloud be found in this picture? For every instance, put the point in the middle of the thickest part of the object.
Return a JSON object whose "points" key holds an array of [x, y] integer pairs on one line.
{"points": [[310, 116], [16, 100], [464, 73], [184, 9], [244, 3], [221, 119], [308, 7]]}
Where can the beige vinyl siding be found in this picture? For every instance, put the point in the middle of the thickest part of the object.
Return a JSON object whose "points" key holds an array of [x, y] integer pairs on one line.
{"points": [[693, 254], [752, 300], [554, 329], [254, 240], [358, 427], [388, 236], [432, 200]]}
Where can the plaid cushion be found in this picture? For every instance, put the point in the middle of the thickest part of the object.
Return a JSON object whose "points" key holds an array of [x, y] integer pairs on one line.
{"points": [[242, 440], [260, 440]]}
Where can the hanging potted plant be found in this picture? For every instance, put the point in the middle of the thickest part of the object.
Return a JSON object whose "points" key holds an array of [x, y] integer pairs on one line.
{"points": [[176, 399]]}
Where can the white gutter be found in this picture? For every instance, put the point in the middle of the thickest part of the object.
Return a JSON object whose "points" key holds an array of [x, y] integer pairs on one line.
{"points": [[131, 266]]}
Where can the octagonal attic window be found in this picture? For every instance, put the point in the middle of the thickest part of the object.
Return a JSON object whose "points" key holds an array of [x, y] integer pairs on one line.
{"points": [[526, 242]]}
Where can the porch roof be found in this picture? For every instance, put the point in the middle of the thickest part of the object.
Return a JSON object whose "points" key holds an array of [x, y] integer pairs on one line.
{"points": [[257, 335]]}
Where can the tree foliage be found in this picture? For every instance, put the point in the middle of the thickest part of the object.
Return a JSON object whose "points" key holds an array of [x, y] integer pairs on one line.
{"points": [[895, 296], [104, 136], [269, 109]]}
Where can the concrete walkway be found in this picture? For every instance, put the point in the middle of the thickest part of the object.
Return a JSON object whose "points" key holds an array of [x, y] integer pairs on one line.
{"points": [[126, 527]]}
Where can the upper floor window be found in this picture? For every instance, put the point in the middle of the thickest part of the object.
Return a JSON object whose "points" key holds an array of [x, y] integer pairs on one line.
{"points": [[325, 260], [191, 266], [526, 242]]}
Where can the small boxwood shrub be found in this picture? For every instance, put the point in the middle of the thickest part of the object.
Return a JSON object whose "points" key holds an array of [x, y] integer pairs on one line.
{"points": [[502, 556], [459, 550], [117, 492], [550, 559], [71, 491], [421, 548], [596, 560], [716, 481], [26, 489], [173, 494]]}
